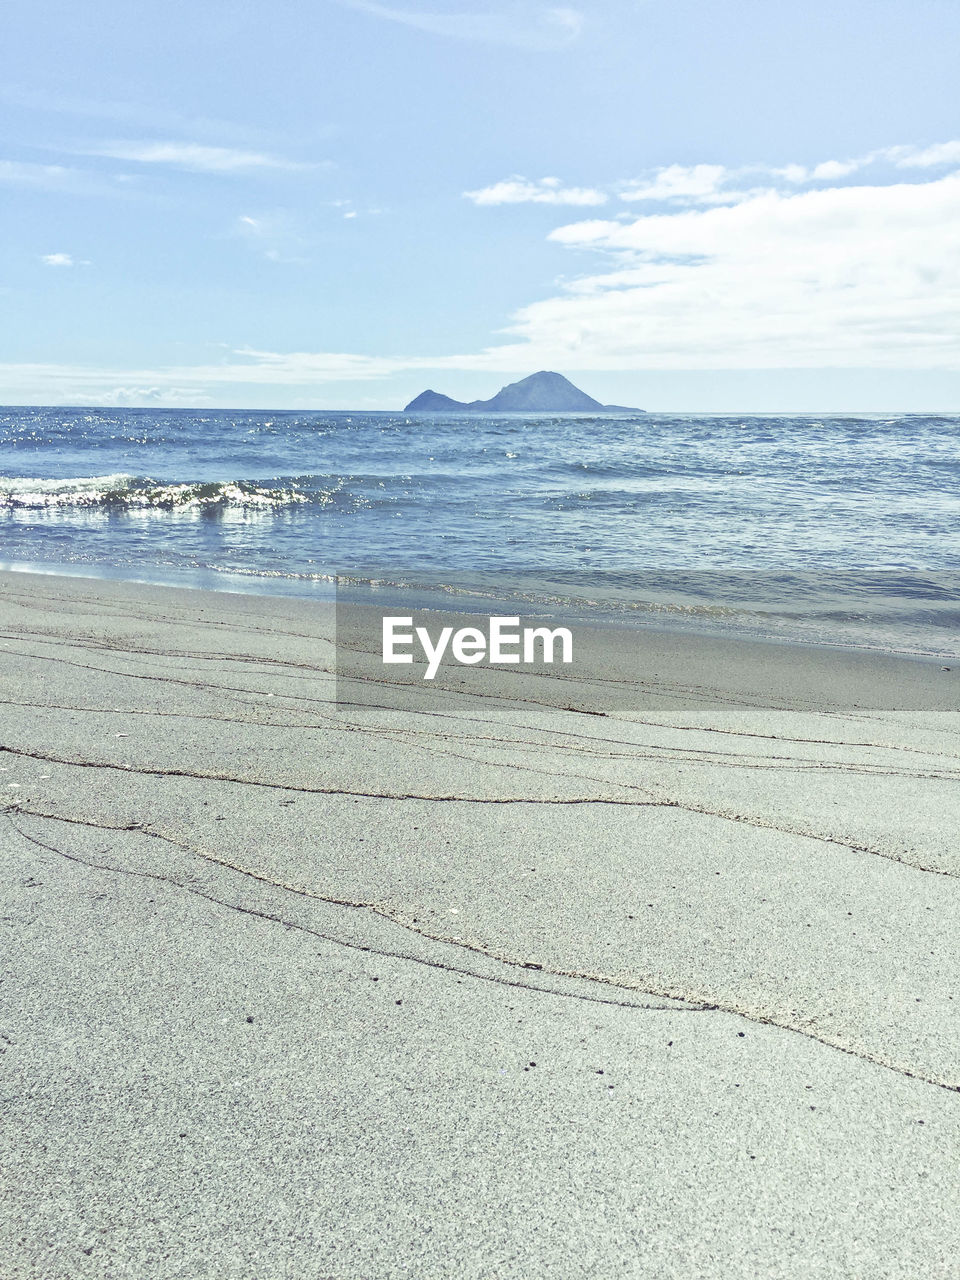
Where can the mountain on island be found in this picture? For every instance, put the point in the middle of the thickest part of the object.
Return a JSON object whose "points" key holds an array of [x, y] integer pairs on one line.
{"points": [[540, 393]]}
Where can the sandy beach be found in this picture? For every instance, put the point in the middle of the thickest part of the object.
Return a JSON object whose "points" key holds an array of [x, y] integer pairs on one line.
{"points": [[648, 973]]}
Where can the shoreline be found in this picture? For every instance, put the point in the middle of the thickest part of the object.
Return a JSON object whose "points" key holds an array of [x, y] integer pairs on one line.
{"points": [[322, 588]]}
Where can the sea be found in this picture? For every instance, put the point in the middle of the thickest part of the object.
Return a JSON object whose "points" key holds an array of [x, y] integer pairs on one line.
{"points": [[833, 529]]}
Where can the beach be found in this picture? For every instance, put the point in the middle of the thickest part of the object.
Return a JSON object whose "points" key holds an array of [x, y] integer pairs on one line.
{"points": [[650, 971]]}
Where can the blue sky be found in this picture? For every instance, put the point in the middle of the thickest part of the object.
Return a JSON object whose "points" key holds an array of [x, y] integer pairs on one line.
{"points": [[684, 205]]}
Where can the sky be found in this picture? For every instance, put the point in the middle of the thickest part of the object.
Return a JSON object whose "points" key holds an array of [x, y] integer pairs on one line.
{"points": [[687, 205]]}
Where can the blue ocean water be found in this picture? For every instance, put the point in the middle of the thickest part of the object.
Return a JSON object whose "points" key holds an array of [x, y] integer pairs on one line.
{"points": [[835, 528]]}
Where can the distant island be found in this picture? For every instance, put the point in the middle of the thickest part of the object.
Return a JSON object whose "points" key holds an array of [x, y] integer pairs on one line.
{"points": [[540, 393]]}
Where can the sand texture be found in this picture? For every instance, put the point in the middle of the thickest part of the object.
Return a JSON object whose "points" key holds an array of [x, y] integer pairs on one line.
{"points": [[647, 973]]}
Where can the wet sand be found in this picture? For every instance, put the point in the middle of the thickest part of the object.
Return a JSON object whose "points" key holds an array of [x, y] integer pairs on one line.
{"points": [[648, 972]]}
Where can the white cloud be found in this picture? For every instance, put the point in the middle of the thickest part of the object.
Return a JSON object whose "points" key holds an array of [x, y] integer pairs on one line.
{"points": [[941, 153], [145, 396], [901, 157], [796, 173], [831, 170], [528, 26], [193, 156], [696, 181], [862, 276], [544, 191], [57, 260], [701, 184], [825, 171], [674, 185]]}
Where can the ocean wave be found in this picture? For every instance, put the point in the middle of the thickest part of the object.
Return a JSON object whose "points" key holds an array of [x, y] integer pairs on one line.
{"points": [[123, 492]]}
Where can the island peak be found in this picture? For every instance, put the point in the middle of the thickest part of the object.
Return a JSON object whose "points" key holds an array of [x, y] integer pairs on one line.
{"points": [[543, 392]]}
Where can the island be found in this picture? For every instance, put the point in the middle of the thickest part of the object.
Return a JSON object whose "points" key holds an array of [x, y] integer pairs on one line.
{"points": [[542, 392]]}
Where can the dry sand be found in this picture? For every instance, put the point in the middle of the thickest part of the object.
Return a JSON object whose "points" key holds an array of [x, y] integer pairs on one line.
{"points": [[649, 974]]}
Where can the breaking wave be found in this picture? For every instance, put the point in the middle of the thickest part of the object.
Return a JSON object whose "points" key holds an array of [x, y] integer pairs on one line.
{"points": [[139, 493]]}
